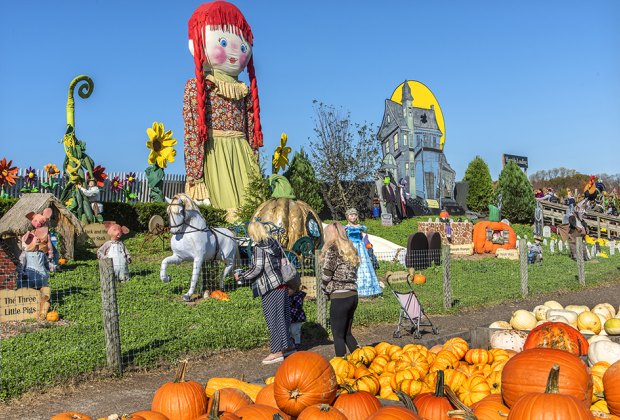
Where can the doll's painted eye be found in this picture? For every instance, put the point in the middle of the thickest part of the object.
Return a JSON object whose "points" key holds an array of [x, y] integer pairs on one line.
{"points": [[223, 42], [244, 48]]}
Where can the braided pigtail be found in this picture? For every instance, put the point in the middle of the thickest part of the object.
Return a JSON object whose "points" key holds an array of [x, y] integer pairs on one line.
{"points": [[199, 60], [258, 133]]}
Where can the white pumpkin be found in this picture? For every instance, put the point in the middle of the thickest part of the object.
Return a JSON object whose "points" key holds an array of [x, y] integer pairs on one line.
{"points": [[612, 326], [596, 338], [609, 307], [508, 340], [523, 320], [553, 304], [502, 325], [558, 318], [603, 311], [577, 308], [604, 351], [540, 312], [570, 316]]}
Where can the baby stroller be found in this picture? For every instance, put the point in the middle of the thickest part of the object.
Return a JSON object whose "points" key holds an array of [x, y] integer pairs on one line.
{"points": [[411, 312]]}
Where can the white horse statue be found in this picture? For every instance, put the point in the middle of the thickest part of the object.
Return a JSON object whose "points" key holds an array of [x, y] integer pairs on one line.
{"points": [[193, 240]]}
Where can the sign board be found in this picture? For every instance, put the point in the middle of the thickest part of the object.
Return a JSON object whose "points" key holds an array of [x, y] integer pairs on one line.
{"points": [[386, 219], [464, 249], [97, 233], [432, 204], [20, 304], [546, 233], [507, 254], [521, 161]]}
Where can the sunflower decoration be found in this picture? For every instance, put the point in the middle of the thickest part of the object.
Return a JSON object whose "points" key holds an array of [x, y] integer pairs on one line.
{"points": [[52, 172], [161, 143], [280, 156], [8, 174], [31, 179]]}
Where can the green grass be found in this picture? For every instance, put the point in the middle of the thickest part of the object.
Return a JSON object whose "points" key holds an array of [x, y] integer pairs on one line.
{"points": [[157, 327]]}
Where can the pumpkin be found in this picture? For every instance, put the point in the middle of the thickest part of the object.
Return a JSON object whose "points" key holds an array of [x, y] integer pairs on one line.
{"points": [[269, 380], [150, 415], [508, 339], [540, 312], [321, 411], [611, 383], [215, 408], [369, 383], [296, 217], [478, 357], [501, 325], [180, 399], [522, 320], [356, 405], [419, 279], [304, 379], [570, 316], [52, 316], [550, 404], [62, 261], [599, 369], [71, 415], [491, 407], [556, 335], [528, 372], [552, 304], [219, 295], [265, 396], [602, 310], [577, 308], [457, 346], [259, 412], [408, 412], [434, 405], [251, 390], [588, 320], [612, 326], [230, 400], [474, 389], [342, 367], [603, 350], [482, 245]]}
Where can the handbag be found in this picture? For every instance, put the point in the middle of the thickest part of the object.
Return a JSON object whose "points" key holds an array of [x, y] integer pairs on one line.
{"points": [[290, 276]]}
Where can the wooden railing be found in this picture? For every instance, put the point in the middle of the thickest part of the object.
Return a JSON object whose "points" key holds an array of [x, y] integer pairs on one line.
{"points": [[602, 224]]}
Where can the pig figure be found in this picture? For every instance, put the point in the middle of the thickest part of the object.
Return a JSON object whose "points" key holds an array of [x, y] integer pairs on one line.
{"points": [[115, 249]]}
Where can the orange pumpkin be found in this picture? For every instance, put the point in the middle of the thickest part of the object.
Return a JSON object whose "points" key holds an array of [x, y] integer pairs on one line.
{"points": [[259, 412], [265, 396], [304, 379], [411, 387], [321, 412], [495, 382], [482, 245], [478, 357], [557, 335], [473, 390], [528, 372], [150, 415], [409, 412], [62, 261], [342, 367], [219, 295], [491, 407], [71, 415], [52, 316], [230, 400], [434, 405], [550, 403], [356, 405], [180, 399], [419, 278], [611, 382], [368, 383], [457, 346]]}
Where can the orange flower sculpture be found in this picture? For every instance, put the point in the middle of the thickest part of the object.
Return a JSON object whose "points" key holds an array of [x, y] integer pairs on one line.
{"points": [[7, 174]]}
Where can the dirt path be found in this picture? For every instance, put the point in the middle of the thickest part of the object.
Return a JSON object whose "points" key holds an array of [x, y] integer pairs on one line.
{"points": [[135, 390]]}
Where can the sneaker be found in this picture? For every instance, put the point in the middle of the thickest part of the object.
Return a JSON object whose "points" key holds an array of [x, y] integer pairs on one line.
{"points": [[297, 346], [273, 358]]}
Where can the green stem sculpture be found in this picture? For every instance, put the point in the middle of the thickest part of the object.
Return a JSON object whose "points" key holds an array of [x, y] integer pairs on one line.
{"points": [[76, 159]]}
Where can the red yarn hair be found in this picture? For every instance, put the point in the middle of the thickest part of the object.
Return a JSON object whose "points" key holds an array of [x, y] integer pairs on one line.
{"points": [[227, 17]]}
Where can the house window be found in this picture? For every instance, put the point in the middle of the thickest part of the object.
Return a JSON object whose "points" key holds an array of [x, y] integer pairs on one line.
{"points": [[395, 141], [388, 118], [387, 148], [406, 168], [405, 139]]}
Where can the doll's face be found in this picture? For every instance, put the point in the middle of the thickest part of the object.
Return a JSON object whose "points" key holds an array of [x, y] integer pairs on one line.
{"points": [[226, 51], [352, 218]]}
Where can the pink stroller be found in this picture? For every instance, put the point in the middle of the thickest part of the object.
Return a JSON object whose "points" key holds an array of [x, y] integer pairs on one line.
{"points": [[411, 312]]}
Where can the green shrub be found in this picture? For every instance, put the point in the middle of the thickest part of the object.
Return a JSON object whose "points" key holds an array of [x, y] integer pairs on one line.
{"points": [[302, 177], [480, 193], [518, 202], [6, 204]]}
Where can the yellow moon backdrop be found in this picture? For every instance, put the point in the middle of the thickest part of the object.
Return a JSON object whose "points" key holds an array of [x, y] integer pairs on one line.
{"points": [[422, 98]]}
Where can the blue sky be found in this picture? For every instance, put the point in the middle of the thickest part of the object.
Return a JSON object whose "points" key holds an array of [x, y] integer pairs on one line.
{"points": [[533, 78]]}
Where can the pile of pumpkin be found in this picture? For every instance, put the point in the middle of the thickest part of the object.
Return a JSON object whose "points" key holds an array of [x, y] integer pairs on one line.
{"points": [[597, 323]]}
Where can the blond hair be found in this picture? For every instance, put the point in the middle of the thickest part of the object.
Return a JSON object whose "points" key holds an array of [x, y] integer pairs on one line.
{"points": [[257, 232], [334, 235]]}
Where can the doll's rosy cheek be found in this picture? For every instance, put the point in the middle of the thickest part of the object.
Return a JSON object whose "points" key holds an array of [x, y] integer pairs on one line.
{"points": [[217, 55], [243, 60]]}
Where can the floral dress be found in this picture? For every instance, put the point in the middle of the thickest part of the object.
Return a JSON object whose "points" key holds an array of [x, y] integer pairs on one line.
{"points": [[367, 283], [219, 170]]}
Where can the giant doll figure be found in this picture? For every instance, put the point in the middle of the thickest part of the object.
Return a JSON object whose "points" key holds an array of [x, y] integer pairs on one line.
{"points": [[222, 124]]}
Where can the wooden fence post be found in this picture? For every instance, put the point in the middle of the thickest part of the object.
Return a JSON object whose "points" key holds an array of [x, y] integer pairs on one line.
{"points": [[321, 299], [447, 281], [110, 316], [581, 269], [523, 266]]}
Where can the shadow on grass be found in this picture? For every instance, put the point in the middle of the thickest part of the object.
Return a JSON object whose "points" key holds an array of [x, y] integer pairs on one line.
{"points": [[313, 334], [128, 357]]}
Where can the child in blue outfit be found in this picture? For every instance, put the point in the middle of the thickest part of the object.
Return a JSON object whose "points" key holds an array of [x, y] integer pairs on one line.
{"points": [[298, 316]]}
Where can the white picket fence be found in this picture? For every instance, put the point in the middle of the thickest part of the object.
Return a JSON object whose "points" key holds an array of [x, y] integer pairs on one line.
{"points": [[173, 184]]}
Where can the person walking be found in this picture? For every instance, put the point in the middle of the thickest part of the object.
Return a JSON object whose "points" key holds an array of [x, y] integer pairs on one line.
{"points": [[265, 273], [339, 261]]}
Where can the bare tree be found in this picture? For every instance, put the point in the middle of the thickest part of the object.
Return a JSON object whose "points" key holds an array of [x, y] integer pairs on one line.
{"points": [[345, 156]]}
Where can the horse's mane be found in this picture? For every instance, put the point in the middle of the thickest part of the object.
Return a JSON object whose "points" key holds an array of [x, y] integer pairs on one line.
{"points": [[184, 199]]}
